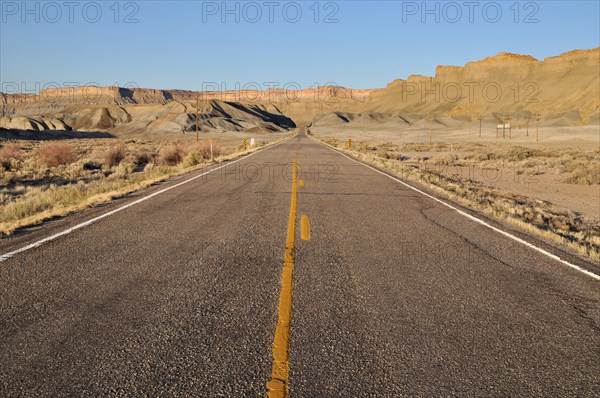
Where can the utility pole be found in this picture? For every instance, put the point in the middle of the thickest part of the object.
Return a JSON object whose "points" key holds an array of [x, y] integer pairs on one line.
{"points": [[537, 125], [503, 128], [481, 117], [528, 120], [509, 126], [196, 119]]}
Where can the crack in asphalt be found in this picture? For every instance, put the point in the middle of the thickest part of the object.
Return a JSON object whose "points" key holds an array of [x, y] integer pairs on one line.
{"points": [[465, 239]]}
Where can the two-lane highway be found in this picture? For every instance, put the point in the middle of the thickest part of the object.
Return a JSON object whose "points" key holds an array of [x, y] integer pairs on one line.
{"points": [[393, 294]]}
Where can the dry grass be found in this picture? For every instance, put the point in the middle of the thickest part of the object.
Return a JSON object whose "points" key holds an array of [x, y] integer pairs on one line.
{"points": [[56, 153]]}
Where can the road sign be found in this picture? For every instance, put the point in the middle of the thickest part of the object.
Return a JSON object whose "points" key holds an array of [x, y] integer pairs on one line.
{"points": [[252, 142], [349, 143], [245, 144]]}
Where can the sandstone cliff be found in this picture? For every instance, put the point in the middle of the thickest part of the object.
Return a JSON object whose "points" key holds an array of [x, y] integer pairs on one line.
{"points": [[564, 89]]}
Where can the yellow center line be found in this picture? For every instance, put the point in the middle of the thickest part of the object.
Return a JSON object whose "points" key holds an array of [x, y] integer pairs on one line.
{"points": [[305, 227], [278, 386]]}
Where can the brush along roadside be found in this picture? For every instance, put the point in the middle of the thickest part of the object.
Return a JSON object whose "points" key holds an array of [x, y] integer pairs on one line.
{"points": [[41, 181], [568, 228]]}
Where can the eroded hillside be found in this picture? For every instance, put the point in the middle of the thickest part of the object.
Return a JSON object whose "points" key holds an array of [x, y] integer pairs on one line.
{"points": [[564, 90]]}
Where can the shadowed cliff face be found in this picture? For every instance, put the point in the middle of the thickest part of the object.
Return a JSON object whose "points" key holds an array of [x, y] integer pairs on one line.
{"points": [[563, 89], [172, 116]]}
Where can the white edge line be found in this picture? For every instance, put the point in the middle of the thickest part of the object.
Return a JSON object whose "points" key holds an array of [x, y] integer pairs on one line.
{"points": [[477, 220], [39, 243]]}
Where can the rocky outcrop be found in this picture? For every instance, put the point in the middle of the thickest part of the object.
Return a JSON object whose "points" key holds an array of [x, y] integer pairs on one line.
{"points": [[35, 124], [563, 89], [172, 117], [123, 109]]}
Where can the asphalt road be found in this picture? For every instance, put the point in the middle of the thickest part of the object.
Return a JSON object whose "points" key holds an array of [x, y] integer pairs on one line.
{"points": [[394, 294]]}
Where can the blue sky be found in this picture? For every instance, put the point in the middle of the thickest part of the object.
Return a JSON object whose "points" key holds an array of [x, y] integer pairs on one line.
{"points": [[359, 44]]}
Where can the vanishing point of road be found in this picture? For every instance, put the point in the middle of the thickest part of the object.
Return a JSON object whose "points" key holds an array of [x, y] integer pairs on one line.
{"points": [[300, 269]]}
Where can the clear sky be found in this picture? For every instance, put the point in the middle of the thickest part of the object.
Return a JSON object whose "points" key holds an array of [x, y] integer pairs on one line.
{"points": [[189, 44]]}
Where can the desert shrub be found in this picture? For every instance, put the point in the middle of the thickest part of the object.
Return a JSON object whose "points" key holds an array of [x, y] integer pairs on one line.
{"points": [[203, 149], [149, 167], [192, 159], [518, 153], [382, 153], [564, 159], [586, 175], [90, 166], [217, 150], [420, 158], [8, 153], [56, 153], [142, 159], [121, 172], [446, 159], [388, 146], [115, 154], [172, 155], [481, 157]]}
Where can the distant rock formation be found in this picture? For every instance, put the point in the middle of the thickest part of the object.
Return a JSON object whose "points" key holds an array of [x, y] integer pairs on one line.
{"points": [[564, 89]]}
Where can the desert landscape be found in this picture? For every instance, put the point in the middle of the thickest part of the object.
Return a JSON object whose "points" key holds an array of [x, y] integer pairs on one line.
{"points": [[299, 199], [510, 136]]}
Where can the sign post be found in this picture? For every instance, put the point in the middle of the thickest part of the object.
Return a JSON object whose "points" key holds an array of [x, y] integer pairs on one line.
{"points": [[497, 127]]}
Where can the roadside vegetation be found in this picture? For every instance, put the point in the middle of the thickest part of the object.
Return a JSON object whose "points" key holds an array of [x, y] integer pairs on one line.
{"points": [[41, 180], [448, 170]]}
